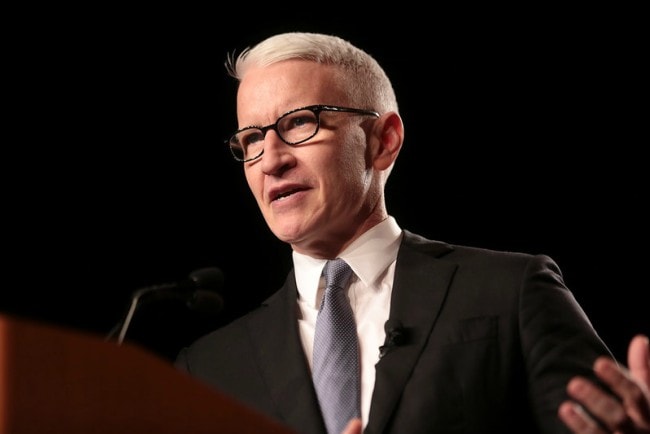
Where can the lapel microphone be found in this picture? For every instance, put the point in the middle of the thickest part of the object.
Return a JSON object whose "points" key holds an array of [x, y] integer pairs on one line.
{"points": [[395, 336]]}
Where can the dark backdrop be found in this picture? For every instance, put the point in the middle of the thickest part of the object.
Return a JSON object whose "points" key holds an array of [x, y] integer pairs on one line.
{"points": [[525, 131]]}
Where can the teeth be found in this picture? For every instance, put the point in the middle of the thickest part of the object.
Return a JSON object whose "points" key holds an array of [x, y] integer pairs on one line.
{"points": [[284, 195]]}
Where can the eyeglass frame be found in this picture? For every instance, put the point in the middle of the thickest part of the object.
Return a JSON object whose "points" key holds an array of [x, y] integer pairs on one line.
{"points": [[317, 109]]}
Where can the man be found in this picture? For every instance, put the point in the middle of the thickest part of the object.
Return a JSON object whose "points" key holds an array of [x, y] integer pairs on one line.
{"points": [[475, 340]]}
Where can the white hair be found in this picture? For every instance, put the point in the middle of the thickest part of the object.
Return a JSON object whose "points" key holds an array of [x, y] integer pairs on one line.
{"points": [[366, 81]]}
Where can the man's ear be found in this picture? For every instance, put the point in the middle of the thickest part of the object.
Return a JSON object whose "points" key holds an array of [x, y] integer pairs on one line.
{"points": [[389, 133]]}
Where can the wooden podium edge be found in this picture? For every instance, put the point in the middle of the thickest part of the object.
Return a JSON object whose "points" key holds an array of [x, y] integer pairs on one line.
{"points": [[55, 380]]}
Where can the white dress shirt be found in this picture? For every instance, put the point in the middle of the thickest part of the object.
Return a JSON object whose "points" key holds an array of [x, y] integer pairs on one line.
{"points": [[372, 259]]}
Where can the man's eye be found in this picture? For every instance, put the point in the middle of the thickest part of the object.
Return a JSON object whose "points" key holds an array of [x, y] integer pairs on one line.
{"points": [[251, 137]]}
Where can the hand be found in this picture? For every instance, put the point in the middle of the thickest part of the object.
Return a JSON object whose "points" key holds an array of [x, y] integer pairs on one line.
{"points": [[354, 427], [604, 414]]}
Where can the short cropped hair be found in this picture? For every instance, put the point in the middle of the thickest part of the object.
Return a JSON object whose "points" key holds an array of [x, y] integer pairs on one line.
{"points": [[366, 81]]}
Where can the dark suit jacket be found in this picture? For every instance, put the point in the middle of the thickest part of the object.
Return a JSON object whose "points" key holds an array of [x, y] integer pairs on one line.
{"points": [[492, 340]]}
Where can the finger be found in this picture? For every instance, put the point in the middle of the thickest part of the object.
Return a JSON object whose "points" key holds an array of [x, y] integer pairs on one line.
{"points": [[635, 400], [353, 427], [578, 421], [638, 359], [603, 407]]}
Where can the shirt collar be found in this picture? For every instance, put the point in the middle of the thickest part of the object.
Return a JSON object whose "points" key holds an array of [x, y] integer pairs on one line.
{"points": [[368, 256]]}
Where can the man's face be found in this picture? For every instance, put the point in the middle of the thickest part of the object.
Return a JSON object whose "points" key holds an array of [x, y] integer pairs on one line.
{"points": [[318, 194]]}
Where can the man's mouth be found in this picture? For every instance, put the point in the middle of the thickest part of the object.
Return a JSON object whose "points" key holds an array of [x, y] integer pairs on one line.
{"points": [[285, 194]]}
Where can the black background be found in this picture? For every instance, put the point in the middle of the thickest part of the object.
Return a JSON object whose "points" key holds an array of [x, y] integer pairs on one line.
{"points": [[525, 130]]}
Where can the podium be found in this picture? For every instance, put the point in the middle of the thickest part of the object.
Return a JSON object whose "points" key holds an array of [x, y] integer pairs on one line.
{"points": [[56, 380]]}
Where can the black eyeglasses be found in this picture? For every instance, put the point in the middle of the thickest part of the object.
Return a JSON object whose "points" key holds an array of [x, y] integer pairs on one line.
{"points": [[293, 127]]}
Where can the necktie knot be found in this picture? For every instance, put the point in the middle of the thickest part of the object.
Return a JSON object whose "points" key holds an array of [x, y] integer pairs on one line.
{"points": [[337, 273]]}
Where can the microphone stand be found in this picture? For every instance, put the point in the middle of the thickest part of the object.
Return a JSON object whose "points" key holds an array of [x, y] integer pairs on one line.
{"points": [[135, 298], [211, 277], [122, 327]]}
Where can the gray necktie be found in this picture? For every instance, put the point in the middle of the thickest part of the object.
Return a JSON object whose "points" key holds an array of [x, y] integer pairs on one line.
{"points": [[336, 370]]}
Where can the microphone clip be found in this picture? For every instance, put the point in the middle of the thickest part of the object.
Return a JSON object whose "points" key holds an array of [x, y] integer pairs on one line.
{"points": [[395, 336]]}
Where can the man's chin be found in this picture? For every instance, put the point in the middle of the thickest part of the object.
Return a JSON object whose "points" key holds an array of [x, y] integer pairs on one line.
{"points": [[286, 234]]}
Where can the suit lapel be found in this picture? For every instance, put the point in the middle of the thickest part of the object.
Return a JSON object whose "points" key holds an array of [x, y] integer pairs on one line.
{"points": [[420, 285], [275, 335]]}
